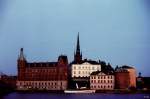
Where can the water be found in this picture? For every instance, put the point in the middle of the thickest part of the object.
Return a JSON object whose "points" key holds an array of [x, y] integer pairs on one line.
{"points": [[16, 95]]}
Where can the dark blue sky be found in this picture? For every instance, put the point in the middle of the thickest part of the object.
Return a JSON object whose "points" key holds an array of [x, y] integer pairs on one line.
{"points": [[116, 31]]}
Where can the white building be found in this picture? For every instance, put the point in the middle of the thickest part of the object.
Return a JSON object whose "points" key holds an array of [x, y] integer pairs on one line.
{"points": [[102, 81], [84, 69]]}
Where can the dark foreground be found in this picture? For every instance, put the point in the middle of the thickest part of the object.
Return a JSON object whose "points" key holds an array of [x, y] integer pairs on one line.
{"points": [[37, 95]]}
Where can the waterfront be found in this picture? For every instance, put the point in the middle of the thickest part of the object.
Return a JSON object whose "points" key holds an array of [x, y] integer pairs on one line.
{"points": [[16, 95]]}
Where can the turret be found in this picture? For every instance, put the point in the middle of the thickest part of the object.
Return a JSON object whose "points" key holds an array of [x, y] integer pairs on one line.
{"points": [[21, 63], [62, 60]]}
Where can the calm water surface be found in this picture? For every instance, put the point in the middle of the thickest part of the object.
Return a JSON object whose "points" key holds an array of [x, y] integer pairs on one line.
{"points": [[16, 95]]}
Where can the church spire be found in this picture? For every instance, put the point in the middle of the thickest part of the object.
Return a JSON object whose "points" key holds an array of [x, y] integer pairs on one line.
{"points": [[78, 55], [21, 56], [78, 44]]}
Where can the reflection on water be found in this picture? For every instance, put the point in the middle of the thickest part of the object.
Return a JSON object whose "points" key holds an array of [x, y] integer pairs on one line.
{"points": [[16, 95]]}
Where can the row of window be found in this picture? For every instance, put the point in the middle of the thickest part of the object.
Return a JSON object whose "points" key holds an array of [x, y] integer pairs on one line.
{"points": [[43, 87], [39, 83], [40, 70], [82, 67], [102, 87], [102, 77], [83, 72], [102, 81]]}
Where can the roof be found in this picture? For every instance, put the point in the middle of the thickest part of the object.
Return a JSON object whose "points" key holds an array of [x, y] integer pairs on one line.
{"points": [[98, 72], [88, 61], [126, 67], [95, 73], [42, 64], [123, 68]]}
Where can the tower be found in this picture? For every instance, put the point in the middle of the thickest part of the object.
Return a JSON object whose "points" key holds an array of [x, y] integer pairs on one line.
{"points": [[21, 62], [78, 54]]}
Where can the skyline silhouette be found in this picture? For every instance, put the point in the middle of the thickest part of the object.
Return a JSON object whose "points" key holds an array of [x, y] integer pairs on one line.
{"points": [[113, 31]]}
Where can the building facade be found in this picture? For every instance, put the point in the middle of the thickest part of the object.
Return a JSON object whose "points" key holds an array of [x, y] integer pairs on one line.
{"points": [[42, 75], [80, 69], [102, 81], [84, 69], [125, 77]]}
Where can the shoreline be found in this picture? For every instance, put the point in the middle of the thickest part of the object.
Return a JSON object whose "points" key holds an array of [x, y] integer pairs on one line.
{"points": [[117, 91]]}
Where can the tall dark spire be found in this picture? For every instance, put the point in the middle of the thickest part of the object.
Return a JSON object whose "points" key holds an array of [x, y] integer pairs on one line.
{"points": [[78, 44], [78, 55], [21, 56]]}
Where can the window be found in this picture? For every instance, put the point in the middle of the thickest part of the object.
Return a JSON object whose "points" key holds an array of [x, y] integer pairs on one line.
{"points": [[93, 68], [74, 72], [82, 72], [79, 72], [74, 67], [79, 67]]}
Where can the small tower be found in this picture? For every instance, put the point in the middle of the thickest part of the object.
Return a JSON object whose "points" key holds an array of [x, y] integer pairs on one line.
{"points": [[21, 62], [62, 60], [78, 54]]}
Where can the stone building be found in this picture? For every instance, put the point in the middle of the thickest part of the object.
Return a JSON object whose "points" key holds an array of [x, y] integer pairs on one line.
{"points": [[102, 81], [42, 75], [125, 77]]}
